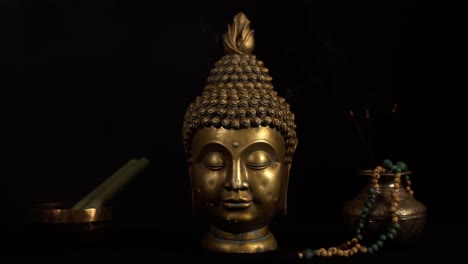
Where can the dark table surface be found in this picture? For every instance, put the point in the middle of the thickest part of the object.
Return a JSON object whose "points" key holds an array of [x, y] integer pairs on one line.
{"points": [[440, 242]]}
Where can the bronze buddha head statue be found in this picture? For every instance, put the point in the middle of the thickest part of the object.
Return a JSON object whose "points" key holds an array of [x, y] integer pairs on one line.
{"points": [[239, 136]]}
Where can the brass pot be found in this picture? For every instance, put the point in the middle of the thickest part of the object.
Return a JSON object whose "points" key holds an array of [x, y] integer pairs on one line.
{"points": [[411, 212]]}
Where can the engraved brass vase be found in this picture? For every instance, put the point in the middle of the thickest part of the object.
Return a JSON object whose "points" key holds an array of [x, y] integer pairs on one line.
{"points": [[411, 212]]}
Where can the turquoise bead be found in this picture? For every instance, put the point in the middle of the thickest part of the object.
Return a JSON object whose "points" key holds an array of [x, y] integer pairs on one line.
{"points": [[387, 164], [402, 166], [309, 253], [392, 231]]}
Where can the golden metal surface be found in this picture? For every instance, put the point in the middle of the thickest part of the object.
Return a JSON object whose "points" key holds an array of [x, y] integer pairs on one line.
{"points": [[411, 212], [240, 138], [260, 240], [239, 188], [58, 213], [239, 38]]}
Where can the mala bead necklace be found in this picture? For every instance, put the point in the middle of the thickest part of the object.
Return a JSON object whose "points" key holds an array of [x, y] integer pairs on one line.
{"points": [[354, 246]]}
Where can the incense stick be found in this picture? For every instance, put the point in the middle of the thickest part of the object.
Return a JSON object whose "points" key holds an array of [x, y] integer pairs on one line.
{"points": [[364, 143], [370, 134]]}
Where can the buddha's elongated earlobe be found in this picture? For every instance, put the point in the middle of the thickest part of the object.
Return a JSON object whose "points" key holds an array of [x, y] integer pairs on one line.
{"points": [[284, 200]]}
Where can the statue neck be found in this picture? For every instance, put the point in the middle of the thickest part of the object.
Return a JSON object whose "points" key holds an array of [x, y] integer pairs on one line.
{"points": [[256, 241]]}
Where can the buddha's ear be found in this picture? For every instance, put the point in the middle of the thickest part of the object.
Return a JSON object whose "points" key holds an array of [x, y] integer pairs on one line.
{"points": [[284, 200]]}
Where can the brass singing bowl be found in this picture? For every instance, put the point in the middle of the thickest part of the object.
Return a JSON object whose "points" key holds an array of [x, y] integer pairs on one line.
{"points": [[62, 213], [56, 228]]}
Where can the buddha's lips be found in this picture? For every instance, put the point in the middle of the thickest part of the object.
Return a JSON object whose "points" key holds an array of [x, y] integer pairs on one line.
{"points": [[237, 204], [237, 197], [237, 200]]}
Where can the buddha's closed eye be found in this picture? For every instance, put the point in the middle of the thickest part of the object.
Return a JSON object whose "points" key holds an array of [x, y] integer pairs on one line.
{"points": [[258, 160], [213, 161]]}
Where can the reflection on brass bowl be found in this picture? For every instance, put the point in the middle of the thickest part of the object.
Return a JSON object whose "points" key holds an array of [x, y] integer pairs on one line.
{"points": [[61, 213], [52, 226]]}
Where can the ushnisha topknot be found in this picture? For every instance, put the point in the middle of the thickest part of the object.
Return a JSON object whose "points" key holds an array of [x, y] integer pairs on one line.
{"points": [[239, 93]]}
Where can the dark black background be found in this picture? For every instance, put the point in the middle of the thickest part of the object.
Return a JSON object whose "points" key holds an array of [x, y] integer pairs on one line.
{"points": [[86, 86]]}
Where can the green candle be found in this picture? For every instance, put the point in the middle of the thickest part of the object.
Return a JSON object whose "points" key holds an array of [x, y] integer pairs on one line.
{"points": [[112, 185]]}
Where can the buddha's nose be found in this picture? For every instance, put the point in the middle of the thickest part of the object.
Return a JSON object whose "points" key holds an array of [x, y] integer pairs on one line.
{"points": [[237, 180]]}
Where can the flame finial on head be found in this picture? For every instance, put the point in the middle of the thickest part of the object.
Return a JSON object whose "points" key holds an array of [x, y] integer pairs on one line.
{"points": [[239, 39]]}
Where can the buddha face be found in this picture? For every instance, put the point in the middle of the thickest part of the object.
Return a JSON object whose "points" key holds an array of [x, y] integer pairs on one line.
{"points": [[238, 177]]}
